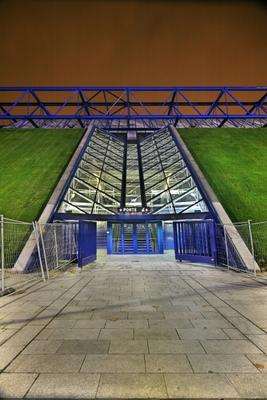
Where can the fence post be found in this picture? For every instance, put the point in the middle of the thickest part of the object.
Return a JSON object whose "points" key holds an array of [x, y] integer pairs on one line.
{"points": [[56, 248], [251, 244], [43, 246], [226, 246], [2, 256], [38, 250]]}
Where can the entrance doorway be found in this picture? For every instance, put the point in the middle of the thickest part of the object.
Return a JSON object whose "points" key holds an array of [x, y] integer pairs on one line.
{"points": [[135, 238], [192, 240]]}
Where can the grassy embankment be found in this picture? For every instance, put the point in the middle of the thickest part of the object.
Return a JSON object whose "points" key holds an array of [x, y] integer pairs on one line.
{"points": [[31, 163], [234, 162]]}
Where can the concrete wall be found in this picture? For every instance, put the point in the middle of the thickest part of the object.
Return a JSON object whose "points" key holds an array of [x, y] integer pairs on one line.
{"points": [[223, 217]]}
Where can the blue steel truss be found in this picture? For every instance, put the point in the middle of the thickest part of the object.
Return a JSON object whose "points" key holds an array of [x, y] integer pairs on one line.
{"points": [[133, 108]]}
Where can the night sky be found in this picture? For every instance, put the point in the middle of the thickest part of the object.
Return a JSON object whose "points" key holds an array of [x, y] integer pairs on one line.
{"points": [[160, 42]]}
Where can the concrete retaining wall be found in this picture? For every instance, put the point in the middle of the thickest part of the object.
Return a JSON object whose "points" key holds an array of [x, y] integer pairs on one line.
{"points": [[223, 217]]}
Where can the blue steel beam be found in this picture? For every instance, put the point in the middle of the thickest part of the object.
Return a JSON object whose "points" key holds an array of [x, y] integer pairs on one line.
{"points": [[131, 103], [131, 217], [124, 176], [122, 103], [133, 117], [133, 88]]}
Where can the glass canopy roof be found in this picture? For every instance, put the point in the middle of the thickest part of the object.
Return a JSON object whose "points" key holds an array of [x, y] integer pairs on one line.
{"points": [[132, 174]]}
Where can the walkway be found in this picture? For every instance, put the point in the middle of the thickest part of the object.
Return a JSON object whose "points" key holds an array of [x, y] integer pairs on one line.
{"points": [[136, 327]]}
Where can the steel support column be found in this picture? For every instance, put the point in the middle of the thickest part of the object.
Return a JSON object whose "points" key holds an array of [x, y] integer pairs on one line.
{"points": [[141, 174]]}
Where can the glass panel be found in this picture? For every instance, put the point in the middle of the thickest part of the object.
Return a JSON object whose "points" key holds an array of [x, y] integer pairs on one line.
{"points": [[98, 182], [133, 192]]}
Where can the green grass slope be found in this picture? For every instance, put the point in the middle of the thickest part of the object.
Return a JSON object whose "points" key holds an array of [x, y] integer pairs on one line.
{"points": [[31, 163], [234, 162]]}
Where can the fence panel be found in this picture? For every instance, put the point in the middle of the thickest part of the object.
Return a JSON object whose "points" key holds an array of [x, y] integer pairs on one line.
{"points": [[58, 244], [254, 235], [51, 247], [14, 236], [259, 237]]}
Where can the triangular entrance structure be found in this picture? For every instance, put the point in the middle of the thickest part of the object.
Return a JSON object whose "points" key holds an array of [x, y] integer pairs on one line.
{"points": [[140, 173]]}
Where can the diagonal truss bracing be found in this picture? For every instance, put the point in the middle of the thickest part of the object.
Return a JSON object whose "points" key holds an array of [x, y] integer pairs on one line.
{"points": [[133, 107]]}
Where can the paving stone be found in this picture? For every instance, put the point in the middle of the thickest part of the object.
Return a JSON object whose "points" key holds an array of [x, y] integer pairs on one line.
{"points": [[183, 315], [260, 341], [5, 334], [44, 334], [44, 363], [46, 314], [212, 315], [246, 326], [40, 322], [128, 295], [129, 386], [172, 363], [200, 307], [156, 333], [110, 334], [76, 308], [171, 307], [250, 386], [75, 315], [13, 324], [175, 347], [170, 323], [262, 323], [213, 300], [199, 386], [72, 334], [145, 315], [83, 347], [90, 324], [109, 315], [137, 308], [221, 363], [71, 386], [24, 336], [229, 346], [233, 333], [15, 385], [62, 324], [259, 360], [227, 311], [198, 334], [7, 353], [42, 347], [126, 323], [113, 363], [211, 323], [128, 347]]}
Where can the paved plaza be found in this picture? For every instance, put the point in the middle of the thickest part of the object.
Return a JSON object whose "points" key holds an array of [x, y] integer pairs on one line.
{"points": [[136, 327]]}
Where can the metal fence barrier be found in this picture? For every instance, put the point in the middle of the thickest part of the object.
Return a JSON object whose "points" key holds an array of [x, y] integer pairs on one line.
{"points": [[54, 247], [58, 245], [254, 234]]}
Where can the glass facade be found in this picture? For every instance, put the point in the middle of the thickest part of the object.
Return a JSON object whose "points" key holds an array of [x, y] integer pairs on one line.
{"points": [[133, 191], [142, 174]]}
